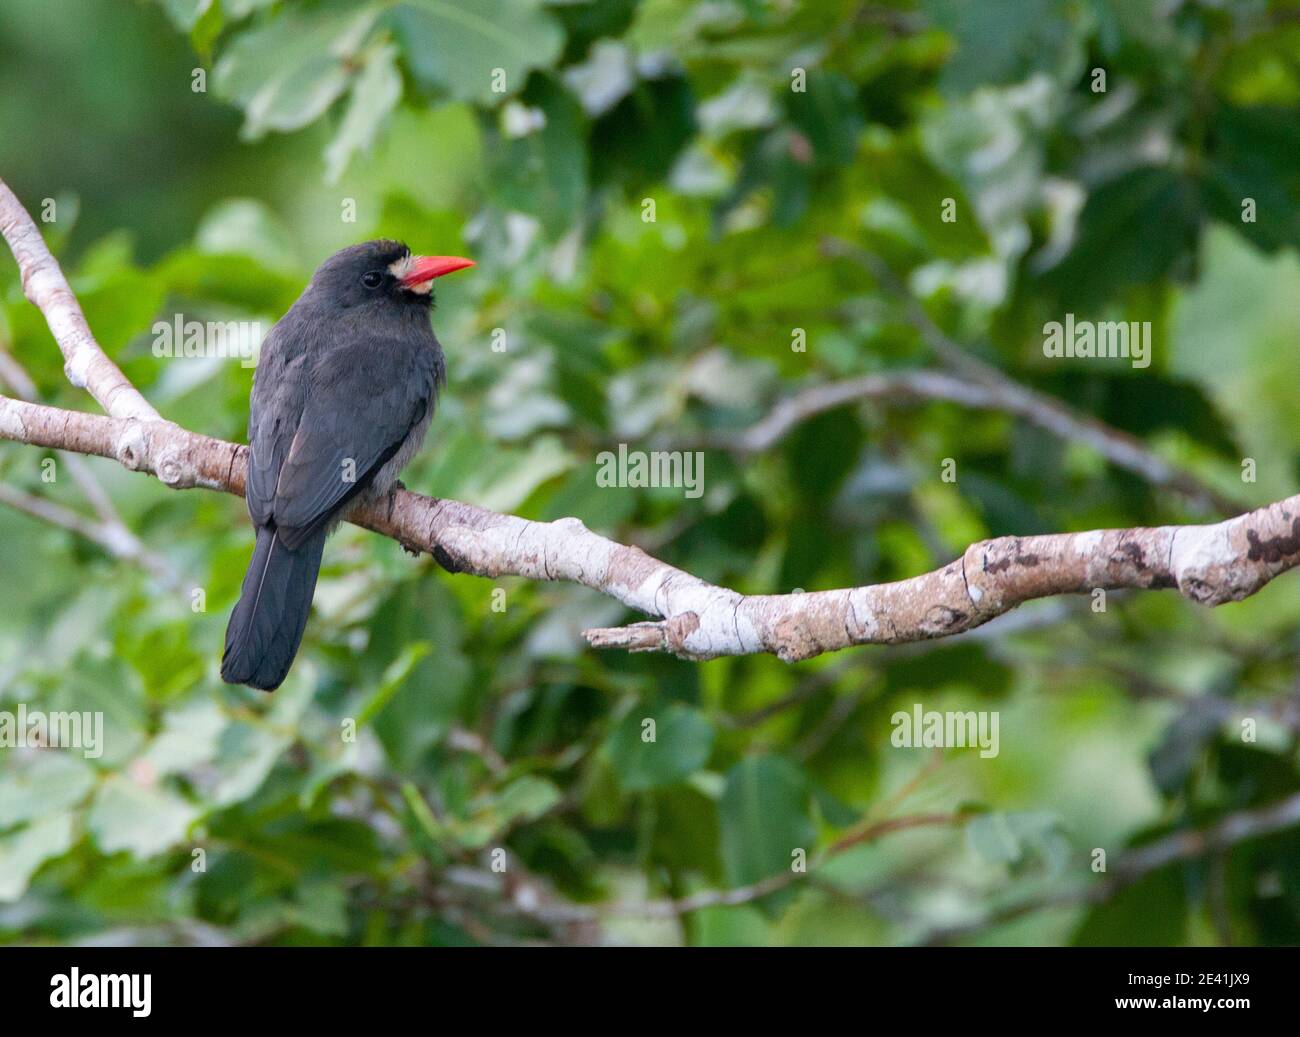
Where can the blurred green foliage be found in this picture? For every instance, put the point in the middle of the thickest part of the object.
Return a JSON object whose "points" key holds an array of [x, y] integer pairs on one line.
{"points": [[536, 137]]}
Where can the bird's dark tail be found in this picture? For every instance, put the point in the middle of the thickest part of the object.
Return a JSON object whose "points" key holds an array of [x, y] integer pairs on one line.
{"points": [[266, 627]]}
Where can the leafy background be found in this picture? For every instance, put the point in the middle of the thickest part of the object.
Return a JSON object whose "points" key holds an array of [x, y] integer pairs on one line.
{"points": [[482, 730]]}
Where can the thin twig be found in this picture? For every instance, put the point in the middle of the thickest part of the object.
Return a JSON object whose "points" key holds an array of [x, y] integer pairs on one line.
{"points": [[111, 533], [1039, 409]]}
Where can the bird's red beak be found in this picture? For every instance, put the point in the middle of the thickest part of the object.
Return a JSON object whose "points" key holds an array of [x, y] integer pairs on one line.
{"points": [[425, 268]]}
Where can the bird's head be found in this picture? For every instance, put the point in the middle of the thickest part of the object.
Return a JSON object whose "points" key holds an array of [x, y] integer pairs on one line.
{"points": [[378, 272]]}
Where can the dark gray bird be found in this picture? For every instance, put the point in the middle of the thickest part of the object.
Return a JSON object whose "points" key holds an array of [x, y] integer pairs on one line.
{"points": [[345, 386]]}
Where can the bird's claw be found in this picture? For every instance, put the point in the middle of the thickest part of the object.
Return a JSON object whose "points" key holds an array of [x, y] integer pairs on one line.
{"points": [[392, 496], [445, 559]]}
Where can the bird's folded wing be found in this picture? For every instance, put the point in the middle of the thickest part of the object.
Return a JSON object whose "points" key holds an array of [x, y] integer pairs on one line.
{"points": [[279, 393], [356, 417]]}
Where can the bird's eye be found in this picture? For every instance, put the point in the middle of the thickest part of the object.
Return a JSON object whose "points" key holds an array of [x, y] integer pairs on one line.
{"points": [[372, 279]]}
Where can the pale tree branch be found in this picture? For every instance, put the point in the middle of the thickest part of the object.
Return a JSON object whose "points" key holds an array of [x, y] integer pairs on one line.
{"points": [[110, 532], [58, 515], [111, 538], [897, 388], [85, 364], [20, 382], [1209, 564]]}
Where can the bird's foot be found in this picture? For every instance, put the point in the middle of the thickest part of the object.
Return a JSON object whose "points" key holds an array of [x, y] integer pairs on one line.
{"points": [[444, 558], [392, 499]]}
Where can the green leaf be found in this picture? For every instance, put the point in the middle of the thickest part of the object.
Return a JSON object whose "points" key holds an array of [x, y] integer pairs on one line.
{"points": [[541, 170], [245, 757], [321, 906], [1108, 255], [1181, 748], [143, 821], [53, 782], [247, 751], [1152, 912], [417, 716], [24, 851], [683, 739], [503, 479], [741, 926], [1019, 839], [394, 677], [420, 810], [206, 28], [992, 839], [827, 113], [237, 9], [775, 161], [1254, 158], [184, 14], [765, 815], [458, 45], [375, 93], [187, 740], [636, 143], [1005, 41], [314, 847], [1234, 333], [247, 227], [524, 799], [287, 72]]}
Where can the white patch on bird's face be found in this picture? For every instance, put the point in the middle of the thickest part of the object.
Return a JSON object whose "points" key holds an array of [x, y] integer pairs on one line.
{"points": [[401, 269]]}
